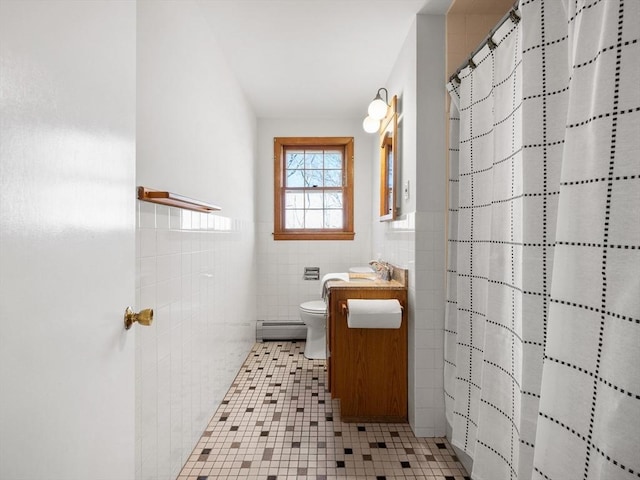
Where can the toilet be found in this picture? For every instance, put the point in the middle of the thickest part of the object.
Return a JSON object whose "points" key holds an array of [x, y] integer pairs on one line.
{"points": [[314, 316]]}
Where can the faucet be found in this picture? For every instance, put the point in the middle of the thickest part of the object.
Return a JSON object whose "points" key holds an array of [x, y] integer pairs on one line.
{"points": [[383, 269]]}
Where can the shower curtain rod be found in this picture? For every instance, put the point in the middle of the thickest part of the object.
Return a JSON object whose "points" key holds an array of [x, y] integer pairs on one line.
{"points": [[512, 15]]}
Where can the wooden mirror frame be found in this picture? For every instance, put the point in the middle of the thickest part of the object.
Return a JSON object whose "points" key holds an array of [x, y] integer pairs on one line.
{"points": [[389, 163]]}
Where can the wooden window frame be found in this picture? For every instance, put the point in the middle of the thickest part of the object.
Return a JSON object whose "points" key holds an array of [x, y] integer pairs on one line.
{"points": [[280, 232]]}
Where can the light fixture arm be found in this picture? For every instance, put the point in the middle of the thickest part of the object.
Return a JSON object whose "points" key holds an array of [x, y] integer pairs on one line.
{"points": [[377, 110], [386, 95]]}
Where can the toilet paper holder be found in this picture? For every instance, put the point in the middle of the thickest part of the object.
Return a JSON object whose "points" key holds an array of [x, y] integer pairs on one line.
{"points": [[345, 308]]}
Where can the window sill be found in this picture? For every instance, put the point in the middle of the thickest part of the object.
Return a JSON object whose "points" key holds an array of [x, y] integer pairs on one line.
{"points": [[314, 235]]}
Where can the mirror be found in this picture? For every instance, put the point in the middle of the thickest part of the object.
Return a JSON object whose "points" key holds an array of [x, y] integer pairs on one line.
{"points": [[389, 162]]}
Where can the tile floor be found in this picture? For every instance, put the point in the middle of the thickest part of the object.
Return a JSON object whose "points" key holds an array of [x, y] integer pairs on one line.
{"points": [[278, 422]]}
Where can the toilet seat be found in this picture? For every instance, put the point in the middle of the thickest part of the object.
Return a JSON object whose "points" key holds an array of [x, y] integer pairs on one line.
{"points": [[314, 306]]}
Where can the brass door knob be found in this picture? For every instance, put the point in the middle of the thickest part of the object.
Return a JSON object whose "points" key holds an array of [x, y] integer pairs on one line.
{"points": [[144, 317]]}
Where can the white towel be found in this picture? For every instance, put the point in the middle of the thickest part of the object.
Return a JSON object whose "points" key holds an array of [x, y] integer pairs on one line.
{"points": [[331, 276], [374, 313]]}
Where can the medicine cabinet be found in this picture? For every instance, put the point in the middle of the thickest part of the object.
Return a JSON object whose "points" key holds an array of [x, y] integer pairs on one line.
{"points": [[389, 163]]}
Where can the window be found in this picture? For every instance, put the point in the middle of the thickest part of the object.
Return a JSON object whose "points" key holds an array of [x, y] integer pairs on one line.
{"points": [[313, 188]]}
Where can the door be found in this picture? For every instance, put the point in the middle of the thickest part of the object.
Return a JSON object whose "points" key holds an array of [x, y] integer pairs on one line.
{"points": [[67, 229]]}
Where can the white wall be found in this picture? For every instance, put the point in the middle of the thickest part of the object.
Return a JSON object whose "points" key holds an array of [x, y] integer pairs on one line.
{"points": [[416, 240], [281, 288], [430, 228], [394, 241], [196, 137]]}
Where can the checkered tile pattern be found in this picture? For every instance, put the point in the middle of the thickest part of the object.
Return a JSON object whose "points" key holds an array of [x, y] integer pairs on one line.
{"points": [[278, 422]]}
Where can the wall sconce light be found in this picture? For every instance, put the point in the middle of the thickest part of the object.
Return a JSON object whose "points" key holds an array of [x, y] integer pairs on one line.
{"points": [[377, 111]]}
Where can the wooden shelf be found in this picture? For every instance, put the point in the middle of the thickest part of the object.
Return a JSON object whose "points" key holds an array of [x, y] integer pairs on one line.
{"points": [[174, 200]]}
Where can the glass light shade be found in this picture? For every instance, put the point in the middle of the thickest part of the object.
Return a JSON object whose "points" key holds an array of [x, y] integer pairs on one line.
{"points": [[377, 108], [370, 125]]}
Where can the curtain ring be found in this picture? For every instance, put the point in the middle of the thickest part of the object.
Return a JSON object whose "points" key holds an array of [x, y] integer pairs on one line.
{"points": [[513, 15], [491, 44], [472, 64]]}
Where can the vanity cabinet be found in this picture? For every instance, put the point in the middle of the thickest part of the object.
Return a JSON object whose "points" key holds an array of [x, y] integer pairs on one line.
{"points": [[367, 367]]}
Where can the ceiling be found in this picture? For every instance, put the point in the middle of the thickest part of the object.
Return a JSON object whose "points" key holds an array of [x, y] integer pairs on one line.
{"points": [[313, 58]]}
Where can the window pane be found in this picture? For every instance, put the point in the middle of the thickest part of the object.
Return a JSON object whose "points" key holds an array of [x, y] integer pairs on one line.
{"points": [[313, 178], [294, 200], [313, 199], [332, 159], [333, 219], [333, 178], [313, 219], [294, 159], [294, 219], [313, 159], [332, 199], [294, 178]]}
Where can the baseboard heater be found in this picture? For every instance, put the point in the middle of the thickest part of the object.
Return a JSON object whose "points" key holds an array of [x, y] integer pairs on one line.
{"points": [[273, 330]]}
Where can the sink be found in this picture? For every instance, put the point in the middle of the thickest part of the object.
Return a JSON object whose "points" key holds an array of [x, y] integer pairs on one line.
{"points": [[364, 269], [363, 279]]}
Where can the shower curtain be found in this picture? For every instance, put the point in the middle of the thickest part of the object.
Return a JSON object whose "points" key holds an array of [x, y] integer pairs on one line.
{"points": [[542, 334]]}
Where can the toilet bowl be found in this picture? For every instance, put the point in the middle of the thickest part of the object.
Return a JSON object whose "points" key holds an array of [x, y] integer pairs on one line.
{"points": [[314, 316]]}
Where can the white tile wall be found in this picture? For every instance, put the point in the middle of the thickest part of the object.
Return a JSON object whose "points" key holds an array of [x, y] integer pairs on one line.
{"points": [[428, 327], [196, 272], [281, 287]]}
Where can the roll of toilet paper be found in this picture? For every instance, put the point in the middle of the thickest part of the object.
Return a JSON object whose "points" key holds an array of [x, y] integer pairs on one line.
{"points": [[374, 313]]}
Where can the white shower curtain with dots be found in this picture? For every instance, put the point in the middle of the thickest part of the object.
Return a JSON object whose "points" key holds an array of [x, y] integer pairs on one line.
{"points": [[542, 352]]}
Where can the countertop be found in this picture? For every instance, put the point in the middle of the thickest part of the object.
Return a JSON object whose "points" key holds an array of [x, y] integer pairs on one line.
{"points": [[361, 282]]}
